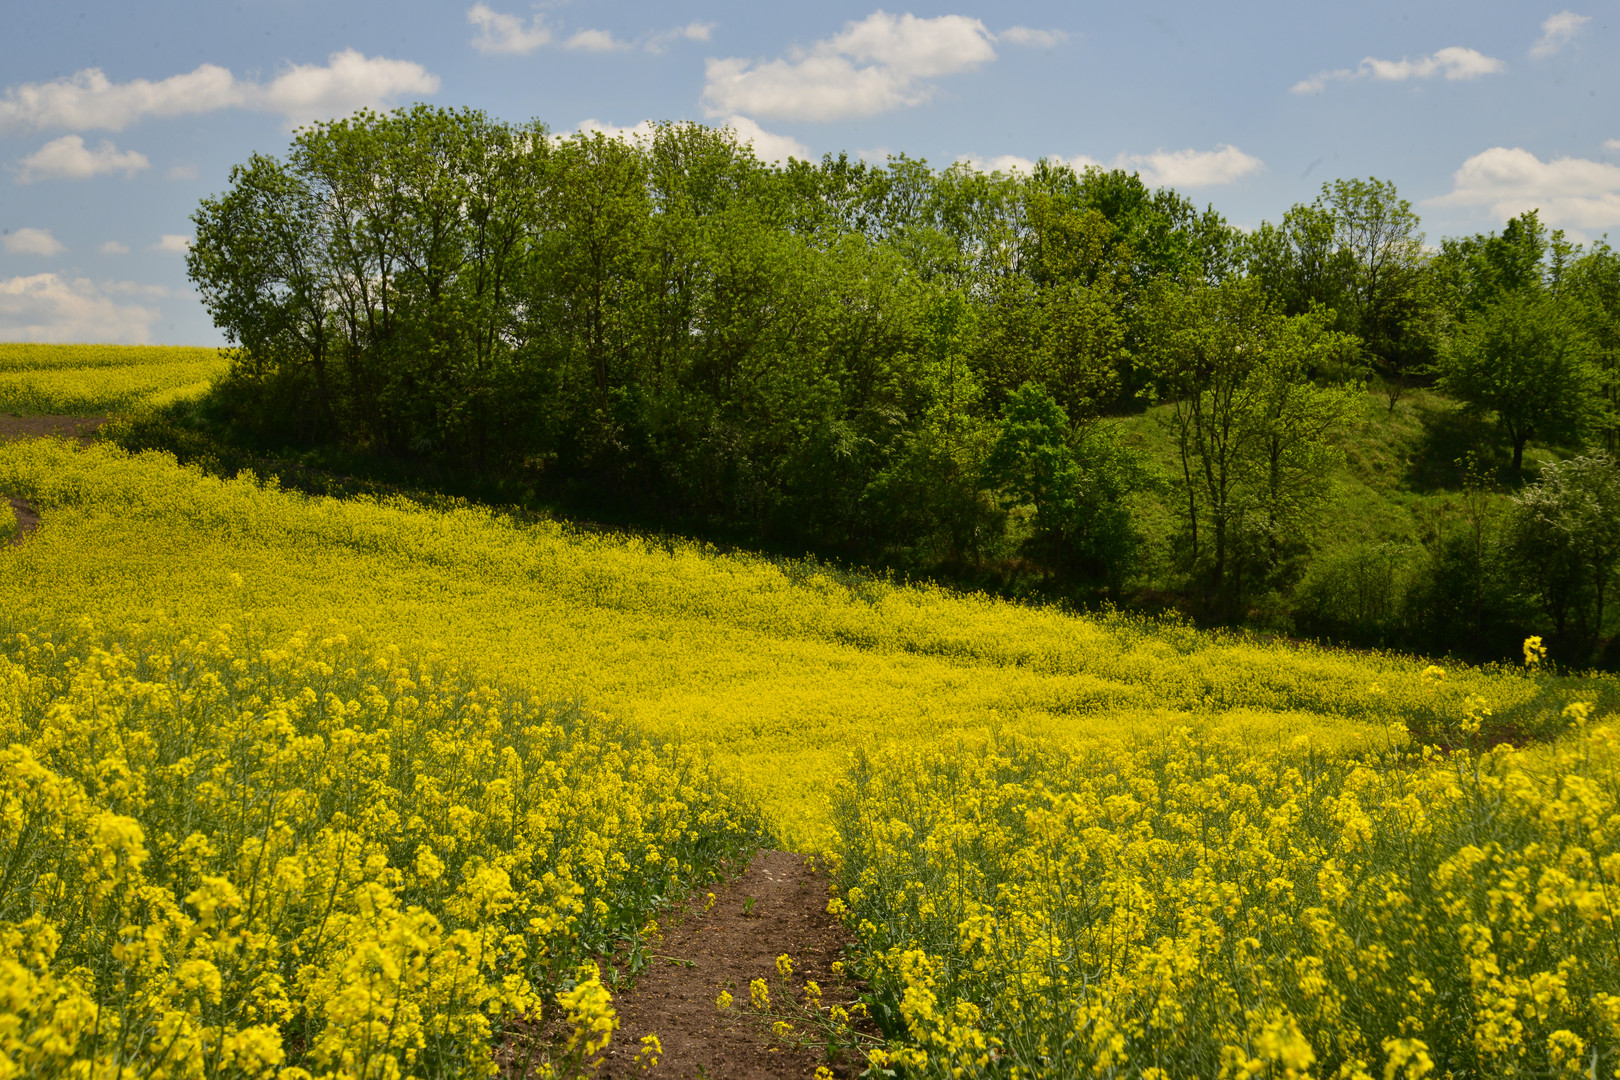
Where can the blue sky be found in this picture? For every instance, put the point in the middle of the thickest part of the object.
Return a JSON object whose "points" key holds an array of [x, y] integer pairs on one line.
{"points": [[115, 118]]}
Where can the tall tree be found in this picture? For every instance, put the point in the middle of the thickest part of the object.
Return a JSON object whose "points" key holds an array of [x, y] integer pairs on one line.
{"points": [[1593, 287], [1525, 360], [1564, 536], [1357, 251], [1248, 425]]}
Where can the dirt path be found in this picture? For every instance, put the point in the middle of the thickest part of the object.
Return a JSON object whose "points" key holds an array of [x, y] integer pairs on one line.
{"points": [[16, 428], [727, 947], [82, 428], [27, 517]]}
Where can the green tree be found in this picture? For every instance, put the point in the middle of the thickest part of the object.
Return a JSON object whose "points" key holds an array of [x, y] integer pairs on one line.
{"points": [[1250, 427], [1593, 286], [1356, 251], [1564, 538], [1077, 482], [930, 488], [381, 258], [259, 262], [1525, 360]]}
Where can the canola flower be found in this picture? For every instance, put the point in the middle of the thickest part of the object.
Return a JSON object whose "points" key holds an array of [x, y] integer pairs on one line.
{"points": [[96, 379], [1200, 907], [236, 857], [778, 668], [1067, 846]]}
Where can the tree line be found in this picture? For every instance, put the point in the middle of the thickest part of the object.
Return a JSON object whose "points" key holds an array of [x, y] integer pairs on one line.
{"points": [[883, 361]]}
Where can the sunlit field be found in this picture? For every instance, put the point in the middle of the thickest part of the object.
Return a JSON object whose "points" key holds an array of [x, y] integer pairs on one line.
{"points": [[92, 380], [1064, 844]]}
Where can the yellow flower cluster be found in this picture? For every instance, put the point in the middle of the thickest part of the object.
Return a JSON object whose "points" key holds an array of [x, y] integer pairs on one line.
{"points": [[778, 667], [89, 380], [249, 843], [1200, 907], [235, 857]]}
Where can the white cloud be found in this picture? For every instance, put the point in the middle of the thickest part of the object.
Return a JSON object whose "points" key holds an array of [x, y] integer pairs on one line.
{"points": [[174, 243], [1005, 163], [113, 247], [596, 41], [768, 146], [89, 100], [1612, 144], [696, 31], [1037, 39], [68, 158], [182, 171], [1571, 193], [498, 33], [1192, 168], [1162, 168], [47, 307], [33, 242], [349, 81], [880, 63], [1556, 32], [1453, 62], [641, 131]]}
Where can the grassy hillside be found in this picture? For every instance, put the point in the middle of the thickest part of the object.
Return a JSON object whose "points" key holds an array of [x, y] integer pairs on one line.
{"points": [[1411, 480]]}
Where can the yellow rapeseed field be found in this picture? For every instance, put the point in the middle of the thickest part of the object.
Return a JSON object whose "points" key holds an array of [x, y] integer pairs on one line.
{"points": [[1066, 846], [90, 380], [1186, 907]]}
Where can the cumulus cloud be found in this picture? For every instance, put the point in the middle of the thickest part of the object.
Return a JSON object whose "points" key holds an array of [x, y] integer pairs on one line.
{"points": [[182, 171], [639, 132], [500, 33], [767, 145], [88, 100], [596, 41], [879, 63], [48, 307], [32, 242], [113, 247], [1453, 62], [173, 243], [1037, 39], [1556, 32], [1162, 168], [1003, 163], [1612, 144], [349, 81], [1571, 193], [68, 158], [1192, 168], [697, 31]]}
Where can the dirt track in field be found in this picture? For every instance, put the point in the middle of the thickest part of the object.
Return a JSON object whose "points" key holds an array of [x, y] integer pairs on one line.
{"points": [[725, 948], [81, 429]]}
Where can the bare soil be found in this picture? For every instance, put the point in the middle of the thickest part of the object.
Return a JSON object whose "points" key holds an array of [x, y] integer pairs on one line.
{"points": [[15, 428], [80, 428], [27, 517], [725, 948]]}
